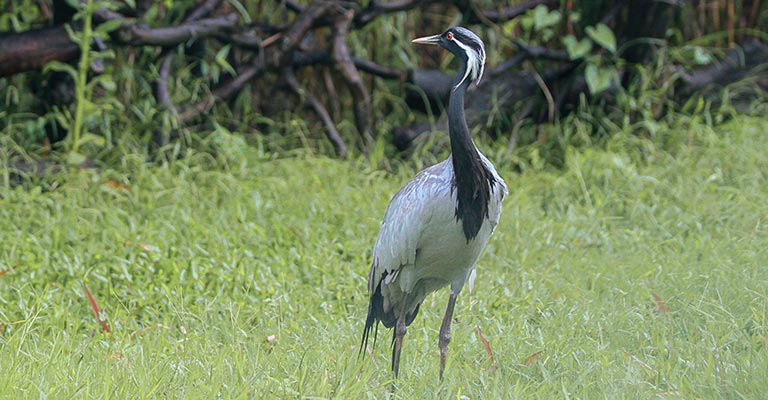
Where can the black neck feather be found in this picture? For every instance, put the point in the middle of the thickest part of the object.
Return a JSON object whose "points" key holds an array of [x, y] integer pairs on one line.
{"points": [[472, 179]]}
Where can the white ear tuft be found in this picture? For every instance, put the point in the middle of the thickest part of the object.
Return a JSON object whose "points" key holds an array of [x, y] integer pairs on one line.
{"points": [[475, 50]]}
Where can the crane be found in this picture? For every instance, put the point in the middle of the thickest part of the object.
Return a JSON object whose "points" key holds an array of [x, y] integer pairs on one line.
{"points": [[436, 226]]}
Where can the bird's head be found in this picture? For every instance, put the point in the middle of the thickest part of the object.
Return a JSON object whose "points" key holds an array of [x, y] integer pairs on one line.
{"points": [[465, 45]]}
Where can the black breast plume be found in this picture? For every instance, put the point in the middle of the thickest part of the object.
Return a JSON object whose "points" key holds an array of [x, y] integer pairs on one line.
{"points": [[474, 185]]}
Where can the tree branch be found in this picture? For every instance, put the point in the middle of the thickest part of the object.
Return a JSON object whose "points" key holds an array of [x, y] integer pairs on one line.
{"points": [[346, 68], [315, 104], [376, 9], [541, 52], [381, 71], [504, 14], [31, 50], [205, 9], [161, 88], [162, 93], [223, 92], [133, 34], [303, 23]]}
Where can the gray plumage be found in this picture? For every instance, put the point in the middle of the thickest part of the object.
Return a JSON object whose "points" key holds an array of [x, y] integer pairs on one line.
{"points": [[437, 225]]}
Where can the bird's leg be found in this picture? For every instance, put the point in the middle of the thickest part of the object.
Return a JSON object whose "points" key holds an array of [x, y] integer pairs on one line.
{"points": [[400, 330], [445, 332]]}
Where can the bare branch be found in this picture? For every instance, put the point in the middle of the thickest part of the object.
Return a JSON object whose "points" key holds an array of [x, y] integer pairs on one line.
{"points": [[32, 50], [333, 94], [142, 35], [104, 14], [503, 14], [508, 64], [223, 92], [381, 71], [346, 67], [376, 9], [293, 6], [247, 40], [319, 109], [739, 63], [206, 8], [162, 93], [303, 23], [301, 59], [161, 89], [542, 52]]}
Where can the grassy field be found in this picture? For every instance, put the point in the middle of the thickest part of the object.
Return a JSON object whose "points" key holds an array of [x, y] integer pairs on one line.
{"points": [[245, 278]]}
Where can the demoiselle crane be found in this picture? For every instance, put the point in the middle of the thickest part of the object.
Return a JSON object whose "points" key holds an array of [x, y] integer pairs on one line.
{"points": [[436, 226]]}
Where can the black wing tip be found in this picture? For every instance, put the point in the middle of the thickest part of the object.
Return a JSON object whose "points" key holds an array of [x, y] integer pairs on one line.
{"points": [[375, 315], [371, 324]]}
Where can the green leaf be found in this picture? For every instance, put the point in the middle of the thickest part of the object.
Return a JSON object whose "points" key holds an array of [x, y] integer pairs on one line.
{"points": [[546, 34], [109, 26], [221, 59], [599, 78], [61, 67], [105, 81], [701, 56], [89, 107], [73, 36], [75, 158], [101, 55], [577, 49], [63, 117], [603, 35], [526, 23], [543, 18], [92, 139], [509, 27], [91, 8], [108, 84]]}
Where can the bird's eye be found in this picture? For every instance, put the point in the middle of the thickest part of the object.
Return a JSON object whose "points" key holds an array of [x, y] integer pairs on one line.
{"points": [[449, 36]]}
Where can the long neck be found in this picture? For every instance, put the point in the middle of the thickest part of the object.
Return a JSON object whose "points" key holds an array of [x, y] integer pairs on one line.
{"points": [[462, 145], [472, 179]]}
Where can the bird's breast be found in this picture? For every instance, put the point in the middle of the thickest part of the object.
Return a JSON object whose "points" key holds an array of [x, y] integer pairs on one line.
{"points": [[443, 252]]}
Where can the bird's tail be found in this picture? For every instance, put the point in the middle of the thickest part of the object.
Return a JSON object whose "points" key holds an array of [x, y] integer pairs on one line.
{"points": [[375, 306]]}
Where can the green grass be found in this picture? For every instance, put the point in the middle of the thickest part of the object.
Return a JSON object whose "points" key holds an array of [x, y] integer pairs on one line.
{"points": [[245, 278]]}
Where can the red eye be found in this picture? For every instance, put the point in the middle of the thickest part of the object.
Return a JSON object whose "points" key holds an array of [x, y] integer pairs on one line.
{"points": [[449, 36]]}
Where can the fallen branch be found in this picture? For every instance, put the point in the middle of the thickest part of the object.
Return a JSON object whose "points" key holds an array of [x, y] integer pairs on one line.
{"points": [[29, 51], [141, 35], [751, 58]]}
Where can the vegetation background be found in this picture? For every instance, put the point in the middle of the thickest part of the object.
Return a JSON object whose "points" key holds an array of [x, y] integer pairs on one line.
{"points": [[169, 228]]}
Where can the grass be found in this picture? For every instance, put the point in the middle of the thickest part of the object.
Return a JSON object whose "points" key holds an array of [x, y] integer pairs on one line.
{"points": [[242, 278]]}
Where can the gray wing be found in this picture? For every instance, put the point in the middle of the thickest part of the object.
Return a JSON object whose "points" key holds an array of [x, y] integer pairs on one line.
{"points": [[404, 221]]}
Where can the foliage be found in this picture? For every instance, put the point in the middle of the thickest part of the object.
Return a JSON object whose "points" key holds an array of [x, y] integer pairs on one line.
{"points": [[87, 112], [119, 112]]}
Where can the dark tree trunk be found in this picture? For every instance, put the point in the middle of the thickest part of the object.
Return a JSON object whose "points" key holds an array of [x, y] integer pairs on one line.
{"points": [[644, 19]]}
